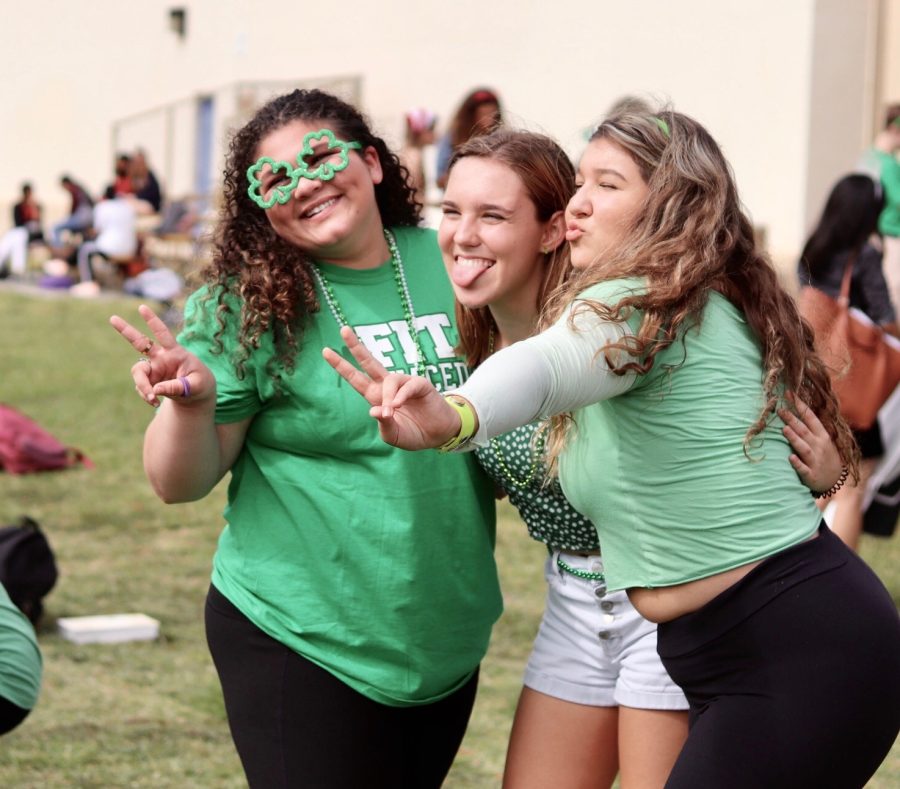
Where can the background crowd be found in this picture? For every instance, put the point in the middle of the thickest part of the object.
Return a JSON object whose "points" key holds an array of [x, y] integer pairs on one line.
{"points": [[103, 239]]}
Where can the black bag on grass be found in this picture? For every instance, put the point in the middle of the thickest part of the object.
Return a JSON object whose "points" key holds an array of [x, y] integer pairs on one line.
{"points": [[27, 566]]}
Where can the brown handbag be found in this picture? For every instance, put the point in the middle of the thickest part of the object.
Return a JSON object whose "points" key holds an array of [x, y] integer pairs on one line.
{"points": [[864, 363]]}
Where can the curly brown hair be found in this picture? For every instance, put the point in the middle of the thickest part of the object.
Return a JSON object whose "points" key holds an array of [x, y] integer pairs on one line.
{"points": [[269, 276], [549, 179], [693, 237]]}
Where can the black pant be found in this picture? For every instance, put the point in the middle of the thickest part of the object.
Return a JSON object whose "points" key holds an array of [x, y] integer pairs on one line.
{"points": [[296, 725], [792, 674], [11, 715]]}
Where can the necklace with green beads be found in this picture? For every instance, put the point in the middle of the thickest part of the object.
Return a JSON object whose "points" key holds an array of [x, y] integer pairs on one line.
{"points": [[409, 314], [585, 574]]}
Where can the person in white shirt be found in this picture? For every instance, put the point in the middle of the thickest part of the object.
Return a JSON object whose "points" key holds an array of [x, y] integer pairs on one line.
{"points": [[115, 225]]}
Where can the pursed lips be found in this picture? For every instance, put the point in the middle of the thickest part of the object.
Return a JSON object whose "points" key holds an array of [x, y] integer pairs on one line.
{"points": [[573, 232]]}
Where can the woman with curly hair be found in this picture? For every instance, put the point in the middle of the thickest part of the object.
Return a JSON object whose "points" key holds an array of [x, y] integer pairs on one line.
{"points": [[354, 587], [665, 362]]}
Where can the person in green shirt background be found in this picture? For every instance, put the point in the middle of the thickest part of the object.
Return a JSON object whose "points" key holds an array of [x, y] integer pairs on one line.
{"points": [[21, 665], [881, 162]]}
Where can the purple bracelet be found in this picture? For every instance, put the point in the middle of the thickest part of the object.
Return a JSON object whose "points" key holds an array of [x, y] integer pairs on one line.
{"points": [[185, 386]]}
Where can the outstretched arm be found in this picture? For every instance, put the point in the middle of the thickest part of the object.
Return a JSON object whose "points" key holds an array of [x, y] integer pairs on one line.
{"points": [[185, 452], [556, 371]]}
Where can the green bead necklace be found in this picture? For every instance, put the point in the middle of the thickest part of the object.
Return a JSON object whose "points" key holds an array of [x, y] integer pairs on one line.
{"points": [[498, 450], [409, 314], [588, 576]]}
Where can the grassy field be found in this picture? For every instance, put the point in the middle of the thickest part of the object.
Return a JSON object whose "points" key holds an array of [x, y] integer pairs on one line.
{"points": [[150, 714]]}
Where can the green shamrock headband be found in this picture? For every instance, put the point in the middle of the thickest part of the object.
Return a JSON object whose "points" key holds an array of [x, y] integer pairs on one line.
{"points": [[324, 171]]}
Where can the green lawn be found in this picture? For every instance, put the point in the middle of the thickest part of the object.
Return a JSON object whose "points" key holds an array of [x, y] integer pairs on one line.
{"points": [[150, 714]]}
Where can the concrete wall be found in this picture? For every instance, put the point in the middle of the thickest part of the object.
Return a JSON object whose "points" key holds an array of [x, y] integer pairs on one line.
{"points": [[889, 74], [757, 74], [841, 95]]}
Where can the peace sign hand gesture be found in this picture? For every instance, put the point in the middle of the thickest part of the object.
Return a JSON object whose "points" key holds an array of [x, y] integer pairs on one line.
{"points": [[165, 369], [411, 413]]}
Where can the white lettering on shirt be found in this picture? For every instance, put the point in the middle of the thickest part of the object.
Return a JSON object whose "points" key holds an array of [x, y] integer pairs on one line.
{"points": [[391, 341], [378, 338]]}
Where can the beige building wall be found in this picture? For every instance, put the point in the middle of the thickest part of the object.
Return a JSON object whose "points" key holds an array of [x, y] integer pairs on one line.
{"points": [[888, 77], [841, 95], [762, 76]]}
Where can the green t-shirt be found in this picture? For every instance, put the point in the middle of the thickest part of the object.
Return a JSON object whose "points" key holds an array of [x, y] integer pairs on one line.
{"points": [[678, 499], [20, 659], [375, 563], [889, 172]]}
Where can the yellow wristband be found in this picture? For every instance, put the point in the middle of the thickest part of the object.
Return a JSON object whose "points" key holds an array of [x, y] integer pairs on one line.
{"points": [[466, 419]]}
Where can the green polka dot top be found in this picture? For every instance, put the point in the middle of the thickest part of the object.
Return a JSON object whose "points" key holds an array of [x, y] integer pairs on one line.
{"points": [[510, 461]]}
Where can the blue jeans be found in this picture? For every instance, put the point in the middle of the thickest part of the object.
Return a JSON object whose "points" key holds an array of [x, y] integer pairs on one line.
{"points": [[77, 222]]}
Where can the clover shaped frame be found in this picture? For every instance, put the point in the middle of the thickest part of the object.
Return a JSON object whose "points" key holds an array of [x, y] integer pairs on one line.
{"points": [[324, 172], [280, 194]]}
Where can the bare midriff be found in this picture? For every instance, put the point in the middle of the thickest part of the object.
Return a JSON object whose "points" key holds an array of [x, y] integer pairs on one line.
{"points": [[665, 603]]}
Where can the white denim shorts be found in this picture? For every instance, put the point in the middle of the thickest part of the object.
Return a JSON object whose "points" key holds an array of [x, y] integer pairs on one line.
{"points": [[594, 648]]}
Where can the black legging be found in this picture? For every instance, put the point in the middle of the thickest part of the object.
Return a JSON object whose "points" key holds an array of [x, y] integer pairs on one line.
{"points": [[296, 725], [792, 674], [11, 715]]}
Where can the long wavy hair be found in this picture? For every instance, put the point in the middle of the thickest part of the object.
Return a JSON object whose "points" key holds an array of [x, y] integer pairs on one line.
{"points": [[549, 180], [270, 276], [692, 237], [850, 216]]}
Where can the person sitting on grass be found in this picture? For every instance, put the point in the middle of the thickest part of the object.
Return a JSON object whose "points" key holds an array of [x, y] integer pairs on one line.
{"points": [[21, 665]]}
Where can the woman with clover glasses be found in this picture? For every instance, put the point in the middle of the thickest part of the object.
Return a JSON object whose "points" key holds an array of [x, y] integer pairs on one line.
{"points": [[346, 627]]}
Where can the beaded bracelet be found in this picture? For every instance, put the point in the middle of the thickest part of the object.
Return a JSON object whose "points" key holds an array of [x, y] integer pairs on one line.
{"points": [[845, 472], [467, 423]]}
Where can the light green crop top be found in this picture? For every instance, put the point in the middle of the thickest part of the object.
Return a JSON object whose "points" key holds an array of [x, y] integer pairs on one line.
{"points": [[657, 461], [679, 499]]}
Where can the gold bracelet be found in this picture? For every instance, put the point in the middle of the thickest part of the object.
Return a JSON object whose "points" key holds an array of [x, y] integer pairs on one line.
{"points": [[467, 423]]}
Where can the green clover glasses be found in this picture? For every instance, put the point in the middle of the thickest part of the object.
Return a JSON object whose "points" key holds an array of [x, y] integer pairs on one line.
{"points": [[274, 181]]}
